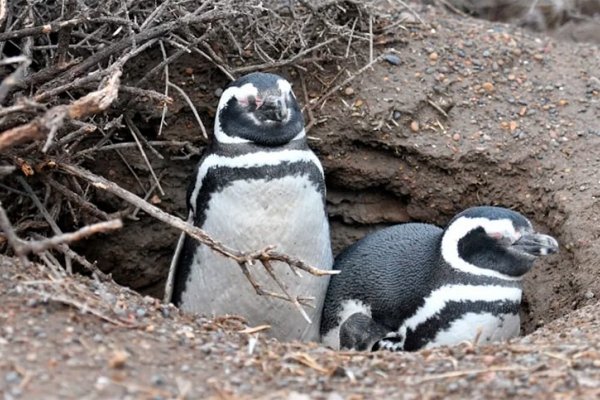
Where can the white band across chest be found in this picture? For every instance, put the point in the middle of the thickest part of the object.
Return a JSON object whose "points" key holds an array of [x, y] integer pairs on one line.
{"points": [[250, 160]]}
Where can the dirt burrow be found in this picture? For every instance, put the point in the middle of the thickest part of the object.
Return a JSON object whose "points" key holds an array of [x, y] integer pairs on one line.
{"points": [[521, 131]]}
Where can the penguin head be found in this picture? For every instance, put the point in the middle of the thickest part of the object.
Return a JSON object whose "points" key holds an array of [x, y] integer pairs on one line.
{"points": [[495, 242], [259, 108]]}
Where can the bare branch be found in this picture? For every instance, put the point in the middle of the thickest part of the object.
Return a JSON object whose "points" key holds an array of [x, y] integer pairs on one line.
{"points": [[242, 258], [54, 118], [39, 246]]}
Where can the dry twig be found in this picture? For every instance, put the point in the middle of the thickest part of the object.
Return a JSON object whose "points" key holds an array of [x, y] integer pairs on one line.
{"points": [[242, 258]]}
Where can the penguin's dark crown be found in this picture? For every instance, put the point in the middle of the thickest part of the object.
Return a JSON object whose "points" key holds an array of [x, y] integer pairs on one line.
{"points": [[260, 108], [493, 242]]}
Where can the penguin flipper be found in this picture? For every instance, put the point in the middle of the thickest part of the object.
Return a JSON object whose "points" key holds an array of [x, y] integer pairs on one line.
{"points": [[361, 332]]}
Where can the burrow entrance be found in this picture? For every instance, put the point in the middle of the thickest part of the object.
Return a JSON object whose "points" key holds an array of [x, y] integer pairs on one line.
{"points": [[369, 187]]}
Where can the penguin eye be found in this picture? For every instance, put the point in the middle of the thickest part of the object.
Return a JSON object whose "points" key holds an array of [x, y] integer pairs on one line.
{"points": [[252, 103]]}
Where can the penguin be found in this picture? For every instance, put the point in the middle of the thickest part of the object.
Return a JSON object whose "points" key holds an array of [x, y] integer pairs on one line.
{"points": [[257, 184], [415, 285]]}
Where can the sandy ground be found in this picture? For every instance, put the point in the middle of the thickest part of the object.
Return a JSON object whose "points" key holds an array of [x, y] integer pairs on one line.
{"points": [[469, 112]]}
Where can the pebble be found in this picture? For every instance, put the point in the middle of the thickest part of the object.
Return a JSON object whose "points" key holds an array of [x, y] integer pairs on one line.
{"points": [[456, 137], [298, 396], [414, 126], [157, 380], [348, 91], [12, 377], [335, 396], [218, 92], [118, 359], [589, 295], [140, 312], [392, 59], [488, 87], [434, 56]]}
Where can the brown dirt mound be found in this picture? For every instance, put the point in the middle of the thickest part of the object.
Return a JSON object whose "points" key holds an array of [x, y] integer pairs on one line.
{"points": [[475, 113]]}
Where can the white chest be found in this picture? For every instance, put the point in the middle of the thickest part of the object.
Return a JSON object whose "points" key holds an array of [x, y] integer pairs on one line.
{"points": [[250, 215]]}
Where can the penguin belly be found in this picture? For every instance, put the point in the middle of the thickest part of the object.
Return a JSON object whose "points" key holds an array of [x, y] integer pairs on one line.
{"points": [[482, 327], [248, 215]]}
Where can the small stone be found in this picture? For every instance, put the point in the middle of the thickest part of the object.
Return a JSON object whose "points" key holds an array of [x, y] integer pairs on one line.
{"points": [[189, 71], [538, 57], [589, 295], [218, 92], [157, 380], [102, 382], [335, 396], [434, 56], [140, 312], [118, 359], [488, 87], [12, 377], [392, 59], [414, 126], [456, 137], [562, 102], [298, 396], [511, 77], [348, 91]]}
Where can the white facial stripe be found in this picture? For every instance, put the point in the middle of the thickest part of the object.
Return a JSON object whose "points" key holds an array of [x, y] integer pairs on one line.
{"points": [[300, 135], [284, 87], [438, 299], [349, 308], [244, 91], [459, 229], [258, 159]]}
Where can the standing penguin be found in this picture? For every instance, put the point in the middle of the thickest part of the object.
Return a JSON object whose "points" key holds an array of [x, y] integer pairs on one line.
{"points": [[415, 285], [257, 184]]}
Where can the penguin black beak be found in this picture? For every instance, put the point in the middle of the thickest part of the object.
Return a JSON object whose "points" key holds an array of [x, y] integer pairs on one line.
{"points": [[272, 109], [536, 244]]}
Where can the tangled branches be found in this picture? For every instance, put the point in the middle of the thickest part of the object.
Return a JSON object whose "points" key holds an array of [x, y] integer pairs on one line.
{"points": [[92, 78]]}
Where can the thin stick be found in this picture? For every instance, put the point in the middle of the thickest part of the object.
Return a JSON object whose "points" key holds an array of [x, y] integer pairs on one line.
{"points": [[191, 104], [370, 38], [51, 222], [54, 118], [413, 12], [39, 246], [139, 145], [168, 295], [282, 63], [14, 79], [3, 12], [457, 374], [11, 236], [41, 29], [347, 81], [350, 38], [164, 110], [242, 258]]}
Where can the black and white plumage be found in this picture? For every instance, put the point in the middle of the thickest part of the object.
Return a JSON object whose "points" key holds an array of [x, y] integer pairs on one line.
{"points": [[257, 184], [415, 285]]}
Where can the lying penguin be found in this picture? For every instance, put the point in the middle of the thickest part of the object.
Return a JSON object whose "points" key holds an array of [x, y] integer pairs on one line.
{"points": [[257, 184], [415, 285]]}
